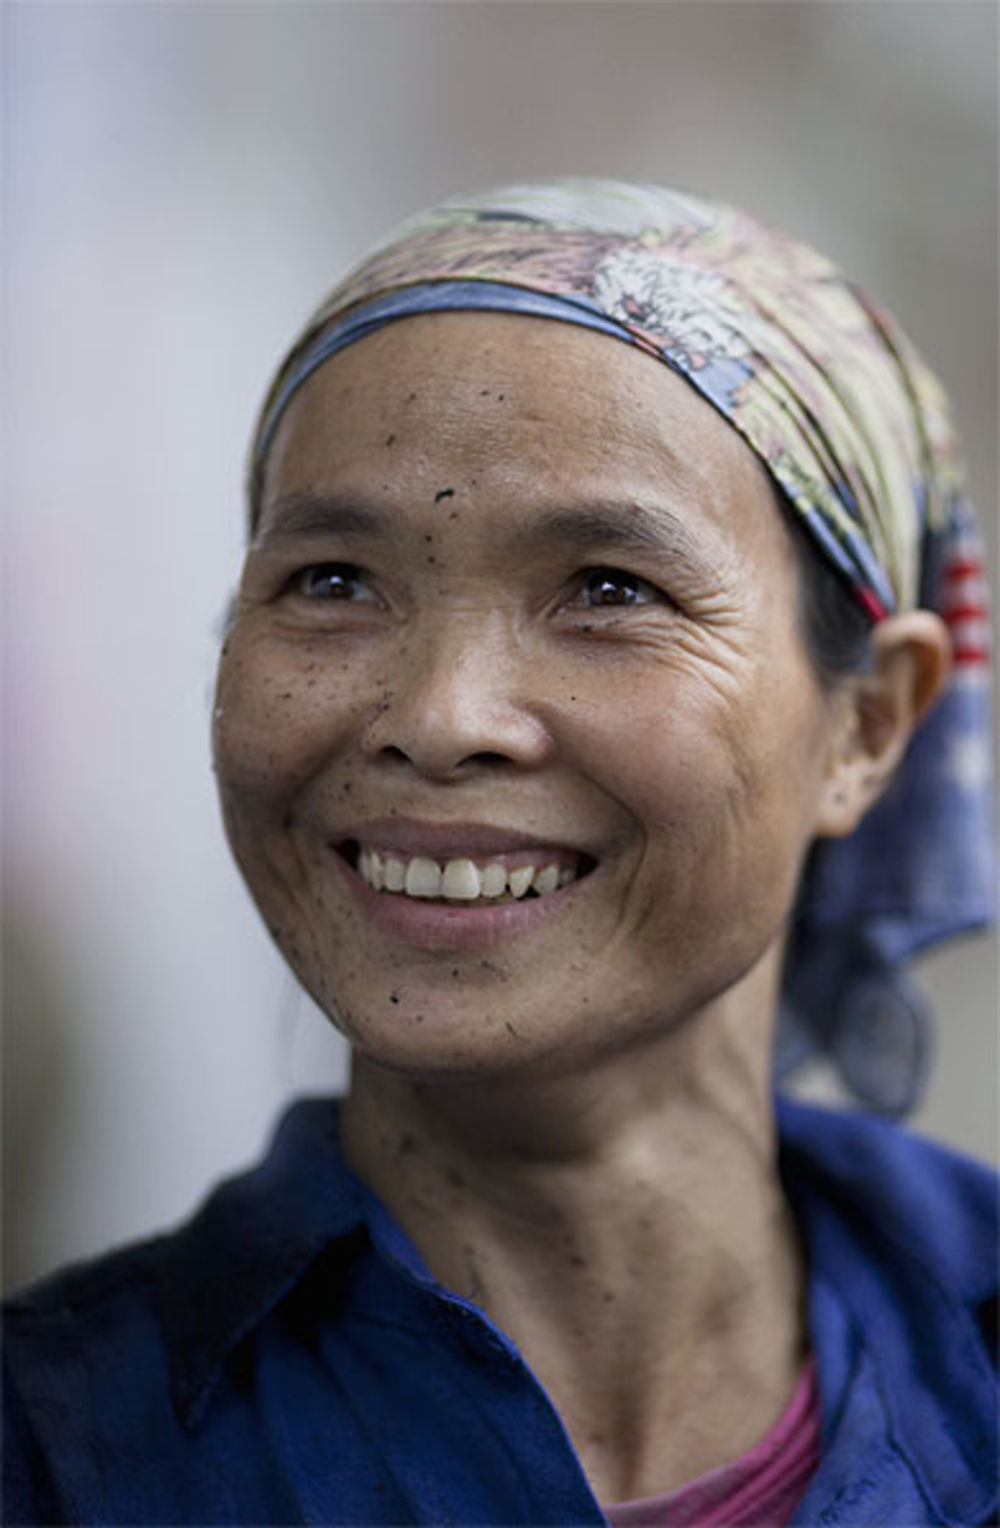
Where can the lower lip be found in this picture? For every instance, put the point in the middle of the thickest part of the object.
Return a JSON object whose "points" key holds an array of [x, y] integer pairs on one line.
{"points": [[441, 925]]}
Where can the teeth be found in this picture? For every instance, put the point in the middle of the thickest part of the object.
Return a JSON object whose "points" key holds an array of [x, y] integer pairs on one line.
{"points": [[395, 874], [423, 878], [493, 880], [460, 879]]}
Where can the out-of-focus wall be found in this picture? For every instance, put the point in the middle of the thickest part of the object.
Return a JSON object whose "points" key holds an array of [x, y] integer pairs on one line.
{"points": [[183, 181]]}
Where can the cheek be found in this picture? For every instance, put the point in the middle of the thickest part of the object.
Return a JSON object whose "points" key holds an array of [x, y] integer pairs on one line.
{"points": [[729, 765], [278, 717]]}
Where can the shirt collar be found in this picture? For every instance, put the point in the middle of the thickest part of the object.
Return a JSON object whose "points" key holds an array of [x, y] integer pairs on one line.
{"points": [[251, 1243], [901, 1237]]}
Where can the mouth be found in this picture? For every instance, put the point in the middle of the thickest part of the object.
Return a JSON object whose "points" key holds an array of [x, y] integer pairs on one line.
{"points": [[465, 880]]}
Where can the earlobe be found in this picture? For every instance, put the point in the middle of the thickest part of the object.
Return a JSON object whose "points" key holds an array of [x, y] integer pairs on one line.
{"points": [[878, 712]]}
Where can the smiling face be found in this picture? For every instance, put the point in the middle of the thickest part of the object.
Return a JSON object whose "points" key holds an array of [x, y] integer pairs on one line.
{"points": [[518, 745]]}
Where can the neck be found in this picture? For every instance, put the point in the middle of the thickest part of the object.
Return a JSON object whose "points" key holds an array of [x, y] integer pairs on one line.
{"points": [[624, 1226]]}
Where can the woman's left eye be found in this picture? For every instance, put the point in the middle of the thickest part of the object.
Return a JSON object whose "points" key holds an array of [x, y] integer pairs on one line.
{"points": [[332, 581], [602, 587]]}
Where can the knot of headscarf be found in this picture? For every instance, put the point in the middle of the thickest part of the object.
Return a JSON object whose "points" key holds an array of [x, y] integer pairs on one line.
{"points": [[856, 433]]}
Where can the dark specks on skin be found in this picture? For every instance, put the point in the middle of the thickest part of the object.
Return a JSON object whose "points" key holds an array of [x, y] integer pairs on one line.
{"points": [[511, 1030], [390, 440], [444, 493], [394, 997]]}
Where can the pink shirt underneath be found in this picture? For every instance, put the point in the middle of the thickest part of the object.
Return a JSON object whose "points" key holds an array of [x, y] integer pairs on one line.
{"points": [[760, 1488]]}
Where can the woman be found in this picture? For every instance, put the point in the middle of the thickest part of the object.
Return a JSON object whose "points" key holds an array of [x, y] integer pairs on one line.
{"points": [[563, 738]]}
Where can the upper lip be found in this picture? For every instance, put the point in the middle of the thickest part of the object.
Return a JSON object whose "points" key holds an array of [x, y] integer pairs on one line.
{"points": [[439, 840]]}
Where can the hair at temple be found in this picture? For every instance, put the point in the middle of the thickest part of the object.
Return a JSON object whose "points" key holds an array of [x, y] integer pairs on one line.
{"points": [[836, 631]]}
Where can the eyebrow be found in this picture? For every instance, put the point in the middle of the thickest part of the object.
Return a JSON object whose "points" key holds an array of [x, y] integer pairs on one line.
{"points": [[594, 526], [317, 515], [625, 527]]}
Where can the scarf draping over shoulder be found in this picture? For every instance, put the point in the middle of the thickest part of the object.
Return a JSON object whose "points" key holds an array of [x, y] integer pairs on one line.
{"points": [[856, 433]]}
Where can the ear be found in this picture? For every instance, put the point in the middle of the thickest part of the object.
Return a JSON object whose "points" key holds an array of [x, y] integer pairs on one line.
{"points": [[877, 713]]}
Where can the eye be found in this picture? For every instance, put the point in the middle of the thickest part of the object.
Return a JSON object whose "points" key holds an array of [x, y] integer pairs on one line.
{"points": [[614, 587], [341, 581]]}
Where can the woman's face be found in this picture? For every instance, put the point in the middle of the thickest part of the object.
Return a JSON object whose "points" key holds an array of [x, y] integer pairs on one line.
{"points": [[520, 608]]}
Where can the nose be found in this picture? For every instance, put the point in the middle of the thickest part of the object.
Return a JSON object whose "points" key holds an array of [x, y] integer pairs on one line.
{"points": [[460, 701]]}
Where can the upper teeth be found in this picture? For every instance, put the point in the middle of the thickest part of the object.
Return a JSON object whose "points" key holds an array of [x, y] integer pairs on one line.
{"points": [[460, 880]]}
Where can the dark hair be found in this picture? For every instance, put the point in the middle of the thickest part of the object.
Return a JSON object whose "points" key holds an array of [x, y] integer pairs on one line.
{"points": [[836, 631]]}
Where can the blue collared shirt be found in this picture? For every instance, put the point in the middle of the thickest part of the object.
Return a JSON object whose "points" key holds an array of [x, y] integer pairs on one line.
{"points": [[286, 1357]]}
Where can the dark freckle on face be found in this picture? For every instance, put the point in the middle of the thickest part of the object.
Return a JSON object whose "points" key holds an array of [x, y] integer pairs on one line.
{"points": [[576, 1261], [412, 398], [286, 694], [432, 560], [607, 1297], [390, 439], [444, 493], [418, 1018], [394, 997], [510, 1028]]}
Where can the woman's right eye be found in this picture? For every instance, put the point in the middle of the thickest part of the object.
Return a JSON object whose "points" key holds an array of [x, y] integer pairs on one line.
{"points": [[331, 581]]}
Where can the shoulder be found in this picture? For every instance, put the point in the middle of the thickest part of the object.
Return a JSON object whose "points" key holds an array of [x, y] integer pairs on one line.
{"points": [[107, 1362], [893, 1189], [900, 1237], [84, 1342]]}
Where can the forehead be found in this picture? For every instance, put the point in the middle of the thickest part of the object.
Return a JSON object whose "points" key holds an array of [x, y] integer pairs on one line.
{"points": [[528, 409]]}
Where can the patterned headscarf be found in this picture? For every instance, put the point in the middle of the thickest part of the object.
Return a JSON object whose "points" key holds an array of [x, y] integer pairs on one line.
{"points": [[855, 431]]}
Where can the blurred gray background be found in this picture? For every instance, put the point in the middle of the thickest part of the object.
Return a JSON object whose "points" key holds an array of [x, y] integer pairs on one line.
{"points": [[183, 181]]}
